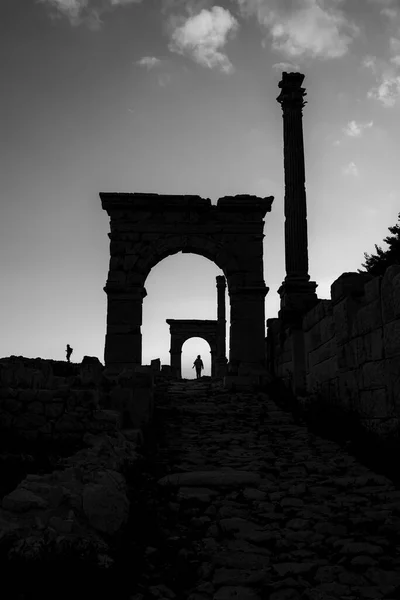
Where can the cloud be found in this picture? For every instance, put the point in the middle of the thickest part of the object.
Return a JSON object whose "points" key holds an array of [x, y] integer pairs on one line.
{"points": [[285, 66], [387, 90], [387, 7], [86, 12], [204, 35], [354, 129], [391, 13], [315, 28], [351, 169], [149, 62]]}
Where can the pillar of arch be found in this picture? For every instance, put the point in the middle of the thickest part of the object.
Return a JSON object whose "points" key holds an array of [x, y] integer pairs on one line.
{"points": [[182, 330], [146, 228]]}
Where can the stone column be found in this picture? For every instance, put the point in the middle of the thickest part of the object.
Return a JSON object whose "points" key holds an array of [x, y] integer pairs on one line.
{"points": [[175, 353], [247, 340], [123, 346], [297, 291], [220, 358]]}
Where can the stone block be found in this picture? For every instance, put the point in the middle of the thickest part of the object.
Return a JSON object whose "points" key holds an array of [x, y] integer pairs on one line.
{"points": [[68, 423], [45, 396], [121, 399], [26, 396], [322, 353], [375, 403], [106, 509], [383, 428], [91, 371], [35, 407], [319, 312], [10, 405], [373, 289], [347, 356], [130, 261], [367, 318], [374, 374], [349, 284], [325, 370], [87, 399], [389, 293], [29, 421], [46, 429], [155, 365], [54, 410], [391, 340], [365, 348], [142, 408], [349, 388], [7, 420], [343, 313]]}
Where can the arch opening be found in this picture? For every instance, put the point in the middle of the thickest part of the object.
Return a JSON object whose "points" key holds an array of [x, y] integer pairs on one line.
{"points": [[181, 303], [191, 348]]}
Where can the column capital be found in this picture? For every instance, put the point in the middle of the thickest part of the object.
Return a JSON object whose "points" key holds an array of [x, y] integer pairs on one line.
{"points": [[221, 281], [292, 94]]}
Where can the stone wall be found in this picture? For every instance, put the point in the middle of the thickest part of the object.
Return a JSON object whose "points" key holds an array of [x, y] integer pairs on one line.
{"points": [[351, 347], [83, 505], [36, 404]]}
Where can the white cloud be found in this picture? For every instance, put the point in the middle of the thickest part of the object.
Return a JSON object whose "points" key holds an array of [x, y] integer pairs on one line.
{"points": [[391, 13], [351, 169], [149, 62], [354, 129], [388, 90], [370, 63], [84, 11], [316, 28], [204, 35], [285, 66]]}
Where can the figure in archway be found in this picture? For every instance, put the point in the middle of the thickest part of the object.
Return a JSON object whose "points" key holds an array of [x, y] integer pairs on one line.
{"points": [[198, 363]]}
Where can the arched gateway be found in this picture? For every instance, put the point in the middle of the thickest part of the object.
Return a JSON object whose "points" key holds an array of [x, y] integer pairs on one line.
{"points": [[184, 329], [145, 228]]}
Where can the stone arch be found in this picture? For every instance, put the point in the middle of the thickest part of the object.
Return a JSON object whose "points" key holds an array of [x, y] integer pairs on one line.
{"points": [[184, 329], [145, 228]]}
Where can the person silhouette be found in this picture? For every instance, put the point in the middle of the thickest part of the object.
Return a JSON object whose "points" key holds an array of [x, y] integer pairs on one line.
{"points": [[69, 352], [198, 363]]}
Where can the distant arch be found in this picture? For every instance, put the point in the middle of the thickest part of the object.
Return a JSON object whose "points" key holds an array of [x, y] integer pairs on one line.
{"points": [[184, 329], [145, 228]]}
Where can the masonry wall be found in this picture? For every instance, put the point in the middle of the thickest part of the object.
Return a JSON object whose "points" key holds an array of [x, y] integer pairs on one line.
{"points": [[352, 348], [36, 404]]}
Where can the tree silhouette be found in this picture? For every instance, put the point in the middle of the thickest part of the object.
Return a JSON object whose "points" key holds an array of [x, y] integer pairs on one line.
{"points": [[376, 264]]}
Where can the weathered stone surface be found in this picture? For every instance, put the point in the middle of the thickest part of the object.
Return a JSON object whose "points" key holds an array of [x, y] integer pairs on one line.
{"points": [[211, 478], [21, 500], [105, 507]]}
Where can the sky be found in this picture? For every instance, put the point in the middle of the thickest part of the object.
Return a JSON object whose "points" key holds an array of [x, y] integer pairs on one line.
{"points": [[179, 97]]}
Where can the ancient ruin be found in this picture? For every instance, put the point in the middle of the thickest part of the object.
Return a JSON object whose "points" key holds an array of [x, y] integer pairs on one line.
{"points": [[145, 228], [213, 331]]}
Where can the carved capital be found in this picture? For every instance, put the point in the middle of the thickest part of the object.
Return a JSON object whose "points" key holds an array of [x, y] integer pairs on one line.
{"points": [[292, 94]]}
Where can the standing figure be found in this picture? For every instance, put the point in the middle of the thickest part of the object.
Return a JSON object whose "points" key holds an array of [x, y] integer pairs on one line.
{"points": [[198, 363], [69, 352]]}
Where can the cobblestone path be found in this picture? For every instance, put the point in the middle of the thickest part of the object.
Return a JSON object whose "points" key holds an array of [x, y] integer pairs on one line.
{"points": [[272, 511]]}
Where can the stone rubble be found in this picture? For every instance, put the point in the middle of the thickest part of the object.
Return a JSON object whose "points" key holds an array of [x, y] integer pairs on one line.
{"points": [[273, 511]]}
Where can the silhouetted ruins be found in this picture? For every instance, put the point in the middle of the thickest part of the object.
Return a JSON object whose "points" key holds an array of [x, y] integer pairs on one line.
{"points": [[219, 488]]}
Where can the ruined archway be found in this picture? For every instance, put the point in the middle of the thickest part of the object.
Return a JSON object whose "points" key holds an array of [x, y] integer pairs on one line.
{"points": [[145, 228], [212, 331], [182, 330]]}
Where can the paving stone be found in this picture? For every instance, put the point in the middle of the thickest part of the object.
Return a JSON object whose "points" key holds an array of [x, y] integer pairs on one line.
{"points": [[281, 514]]}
